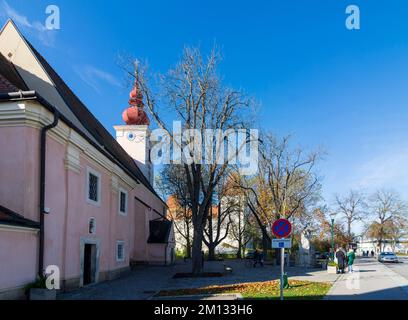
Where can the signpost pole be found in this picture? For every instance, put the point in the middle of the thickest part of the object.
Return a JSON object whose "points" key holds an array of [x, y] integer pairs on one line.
{"points": [[282, 271], [282, 228]]}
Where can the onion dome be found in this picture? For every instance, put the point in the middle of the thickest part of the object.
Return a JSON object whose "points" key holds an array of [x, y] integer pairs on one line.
{"points": [[135, 113]]}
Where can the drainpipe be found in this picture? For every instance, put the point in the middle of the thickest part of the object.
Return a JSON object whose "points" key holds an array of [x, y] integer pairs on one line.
{"points": [[165, 253], [43, 136]]}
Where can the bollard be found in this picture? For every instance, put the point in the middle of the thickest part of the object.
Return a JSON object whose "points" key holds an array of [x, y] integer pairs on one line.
{"points": [[285, 281]]}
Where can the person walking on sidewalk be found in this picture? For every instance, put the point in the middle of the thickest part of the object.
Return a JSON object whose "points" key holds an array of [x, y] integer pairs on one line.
{"points": [[350, 259], [341, 260]]}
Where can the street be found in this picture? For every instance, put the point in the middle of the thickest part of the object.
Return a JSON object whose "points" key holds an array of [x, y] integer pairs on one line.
{"points": [[372, 280], [401, 268]]}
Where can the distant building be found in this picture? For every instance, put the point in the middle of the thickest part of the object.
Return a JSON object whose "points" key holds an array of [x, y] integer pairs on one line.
{"points": [[368, 244], [183, 225], [237, 219], [70, 194]]}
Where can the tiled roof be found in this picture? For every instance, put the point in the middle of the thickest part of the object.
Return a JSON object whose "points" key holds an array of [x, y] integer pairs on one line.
{"points": [[6, 86], [10, 80], [93, 126], [9, 217]]}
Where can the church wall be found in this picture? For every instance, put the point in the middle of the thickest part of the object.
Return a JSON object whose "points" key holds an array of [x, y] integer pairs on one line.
{"points": [[18, 256], [19, 169], [67, 225]]}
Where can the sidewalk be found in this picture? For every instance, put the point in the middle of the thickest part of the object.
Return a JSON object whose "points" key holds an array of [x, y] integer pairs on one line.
{"points": [[144, 281], [370, 281]]}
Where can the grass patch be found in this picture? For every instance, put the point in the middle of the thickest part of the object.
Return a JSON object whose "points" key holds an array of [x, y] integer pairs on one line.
{"points": [[306, 290]]}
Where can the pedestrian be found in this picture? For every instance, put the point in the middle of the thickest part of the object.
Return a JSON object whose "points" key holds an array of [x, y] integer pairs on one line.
{"points": [[350, 259], [258, 258], [345, 252], [261, 258], [372, 253], [255, 257], [341, 260]]}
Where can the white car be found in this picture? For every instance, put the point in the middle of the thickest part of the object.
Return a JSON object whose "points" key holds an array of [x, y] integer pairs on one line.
{"points": [[387, 257]]}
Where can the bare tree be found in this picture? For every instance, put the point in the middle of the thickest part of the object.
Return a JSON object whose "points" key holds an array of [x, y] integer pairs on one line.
{"points": [[351, 207], [193, 92], [173, 185], [220, 219], [241, 224], [396, 229], [387, 207], [218, 223], [285, 186]]}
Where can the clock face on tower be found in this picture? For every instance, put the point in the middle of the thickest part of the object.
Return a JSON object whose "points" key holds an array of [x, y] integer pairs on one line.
{"points": [[134, 137], [131, 136]]}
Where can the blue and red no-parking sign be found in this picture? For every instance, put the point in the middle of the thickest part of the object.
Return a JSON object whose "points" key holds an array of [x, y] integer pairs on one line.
{"points": [[281, 228]]}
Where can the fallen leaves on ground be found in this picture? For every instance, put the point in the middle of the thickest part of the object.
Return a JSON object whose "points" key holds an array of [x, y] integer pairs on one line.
{"points": [[260, 290]]}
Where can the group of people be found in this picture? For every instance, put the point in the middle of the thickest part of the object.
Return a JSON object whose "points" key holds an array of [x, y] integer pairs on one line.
{"points": [[367, 253], [345, 259]]}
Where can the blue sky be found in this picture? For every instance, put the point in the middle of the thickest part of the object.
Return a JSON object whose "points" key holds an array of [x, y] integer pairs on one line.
{"points": [[326, 85]]}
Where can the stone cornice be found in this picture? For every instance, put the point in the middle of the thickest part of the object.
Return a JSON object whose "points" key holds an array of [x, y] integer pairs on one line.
{"points": [[6, 227]]}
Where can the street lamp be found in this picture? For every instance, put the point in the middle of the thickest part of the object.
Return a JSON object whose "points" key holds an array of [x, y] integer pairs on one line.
{"points": [[332, 216]]}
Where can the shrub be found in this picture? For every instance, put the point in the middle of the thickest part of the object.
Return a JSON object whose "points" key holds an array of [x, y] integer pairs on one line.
{"points": [[39, 283], [180, 254], [332, 264]]}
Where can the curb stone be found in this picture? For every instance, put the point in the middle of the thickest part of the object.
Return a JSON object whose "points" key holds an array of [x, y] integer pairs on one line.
{"points": [[234, 296], [326, 297], [399, 280]]}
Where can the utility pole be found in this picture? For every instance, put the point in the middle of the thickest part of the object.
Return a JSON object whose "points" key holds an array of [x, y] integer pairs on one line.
{"points": [[332, 238]]}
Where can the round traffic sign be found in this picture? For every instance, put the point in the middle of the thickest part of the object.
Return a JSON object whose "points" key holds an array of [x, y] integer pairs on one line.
{"points": [[281, 228]]}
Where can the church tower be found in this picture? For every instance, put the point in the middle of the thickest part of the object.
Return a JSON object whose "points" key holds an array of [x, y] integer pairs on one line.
{"points": [[134, 137]]}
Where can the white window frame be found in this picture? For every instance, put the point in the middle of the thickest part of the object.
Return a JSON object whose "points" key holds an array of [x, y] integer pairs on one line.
{"points": [[121, 190], [89, 171], [120, 242]]}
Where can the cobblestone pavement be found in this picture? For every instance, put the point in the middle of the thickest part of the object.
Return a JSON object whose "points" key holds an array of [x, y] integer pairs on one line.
{"points": [[144, 281]]}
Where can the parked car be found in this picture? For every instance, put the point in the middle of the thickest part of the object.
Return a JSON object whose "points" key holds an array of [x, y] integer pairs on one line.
{"points": [[387, 257]]}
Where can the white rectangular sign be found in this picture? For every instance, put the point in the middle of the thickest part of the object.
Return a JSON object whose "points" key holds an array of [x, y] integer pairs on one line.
{"points": [[281, 243]]}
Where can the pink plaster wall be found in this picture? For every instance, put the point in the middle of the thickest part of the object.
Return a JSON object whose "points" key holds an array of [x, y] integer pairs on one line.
{"points": [[19, 170], [18, 258], [69, 211]]}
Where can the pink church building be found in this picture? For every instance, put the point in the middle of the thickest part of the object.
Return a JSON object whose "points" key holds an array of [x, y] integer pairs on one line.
{"points": [[71, 195]]}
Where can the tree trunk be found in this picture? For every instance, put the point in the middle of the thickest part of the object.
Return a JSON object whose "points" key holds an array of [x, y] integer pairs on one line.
{"points": [[188, 242], [239, 252], [188, 248], [265, 245], [197, 259], [211, 253]]}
